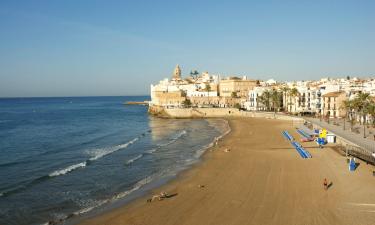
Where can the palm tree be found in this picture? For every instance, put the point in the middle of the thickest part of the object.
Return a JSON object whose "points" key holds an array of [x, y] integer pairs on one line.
{"points": [[208, 89], [371, 111], [194, 74], [186, 103], [361, 105], [348, 105], [294, 93], [276, 100], [265, 99], [285, 90]]}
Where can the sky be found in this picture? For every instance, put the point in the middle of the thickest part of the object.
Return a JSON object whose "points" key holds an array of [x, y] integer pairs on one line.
{"points": [[120, 47]]}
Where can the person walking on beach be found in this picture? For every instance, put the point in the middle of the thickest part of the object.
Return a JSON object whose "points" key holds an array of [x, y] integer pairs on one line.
{"points": [[325, 184]]}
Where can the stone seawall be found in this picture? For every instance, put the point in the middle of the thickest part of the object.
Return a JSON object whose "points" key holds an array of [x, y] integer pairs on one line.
{"points": [[213, 112]]}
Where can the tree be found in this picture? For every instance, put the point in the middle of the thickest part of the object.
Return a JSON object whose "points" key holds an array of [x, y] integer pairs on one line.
{"points": [[265, 99], [348, 105], [294, 93], [285, 90], [276, 99], [186, 103], [361, 105], [208, 89], [194, 74], [371, 111], [237, 106]]}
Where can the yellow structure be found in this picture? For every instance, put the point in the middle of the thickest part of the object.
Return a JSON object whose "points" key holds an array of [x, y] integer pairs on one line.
{"points": [[332, 104], [236, 87], [168, 99], [323, 134], [177, 73]]}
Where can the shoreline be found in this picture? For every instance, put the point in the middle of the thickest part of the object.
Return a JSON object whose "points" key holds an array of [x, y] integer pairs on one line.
{"points": [[237, 183], [116, 203]]}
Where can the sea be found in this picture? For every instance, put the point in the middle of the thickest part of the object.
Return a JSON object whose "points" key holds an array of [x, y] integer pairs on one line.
{"points": [[67, 157]]}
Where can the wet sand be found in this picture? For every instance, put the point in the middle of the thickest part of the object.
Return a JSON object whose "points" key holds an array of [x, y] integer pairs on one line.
{"points": [[261, 180]]}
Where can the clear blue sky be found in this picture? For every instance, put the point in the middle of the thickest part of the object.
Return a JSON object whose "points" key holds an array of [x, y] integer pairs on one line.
{"points": [[91, 47]]}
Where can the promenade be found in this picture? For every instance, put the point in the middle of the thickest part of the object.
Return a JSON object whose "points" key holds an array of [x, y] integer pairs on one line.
{"points": [[356, 138]]}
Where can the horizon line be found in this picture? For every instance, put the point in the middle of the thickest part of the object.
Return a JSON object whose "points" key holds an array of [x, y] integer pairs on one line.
{"points": [[75, 96]]}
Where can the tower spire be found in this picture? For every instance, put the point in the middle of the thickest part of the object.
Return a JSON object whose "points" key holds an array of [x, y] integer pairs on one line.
{"points": [[177, 73]]}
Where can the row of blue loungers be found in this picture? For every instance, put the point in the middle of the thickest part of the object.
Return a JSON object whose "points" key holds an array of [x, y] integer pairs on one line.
{"points": [[303, 152], [303, 133]]}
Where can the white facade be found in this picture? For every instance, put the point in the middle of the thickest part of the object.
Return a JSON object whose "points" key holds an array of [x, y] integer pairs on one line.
{"points": [[253, 102]]}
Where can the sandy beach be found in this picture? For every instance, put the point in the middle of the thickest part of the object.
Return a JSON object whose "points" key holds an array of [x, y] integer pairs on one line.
{"points": [[261, 180]]}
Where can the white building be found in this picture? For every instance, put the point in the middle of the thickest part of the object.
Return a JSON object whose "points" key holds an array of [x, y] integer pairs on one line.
{"points": [[253, 102]]}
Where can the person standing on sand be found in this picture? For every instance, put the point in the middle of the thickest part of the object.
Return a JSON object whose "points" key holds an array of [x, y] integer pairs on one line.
{"points": [[325, 184]]}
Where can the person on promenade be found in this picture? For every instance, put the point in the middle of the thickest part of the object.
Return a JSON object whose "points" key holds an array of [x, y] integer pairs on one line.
{"points": [[325, 184]]}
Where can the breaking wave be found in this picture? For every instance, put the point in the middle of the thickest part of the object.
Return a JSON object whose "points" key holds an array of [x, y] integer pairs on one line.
{"points": [[130, 161], [174, 139], [99, 153], [152, 150], [120, 195], [67, 169]]}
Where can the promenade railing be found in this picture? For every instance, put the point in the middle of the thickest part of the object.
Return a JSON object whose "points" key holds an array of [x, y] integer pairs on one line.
{"points": [[356, 139]]}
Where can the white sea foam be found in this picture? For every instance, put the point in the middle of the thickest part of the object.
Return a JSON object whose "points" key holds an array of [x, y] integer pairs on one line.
{"points": [[225, 131], [137, 186], [88, 209], [183, 132], [134, 159], [67, 169], [175, 138], [152, 150], [99, 153]]}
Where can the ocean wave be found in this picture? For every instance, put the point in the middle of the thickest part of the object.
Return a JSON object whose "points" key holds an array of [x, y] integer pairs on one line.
{"points": [[224, 132], [120, 195], [174, 139], [13, 163], [99, 153], [67, 169], [22, 186], [180, 134], [152, 150], [134, 159]]}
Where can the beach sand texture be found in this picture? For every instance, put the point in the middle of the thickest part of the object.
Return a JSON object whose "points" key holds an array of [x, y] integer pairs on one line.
{"points": [[261, 180]]}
